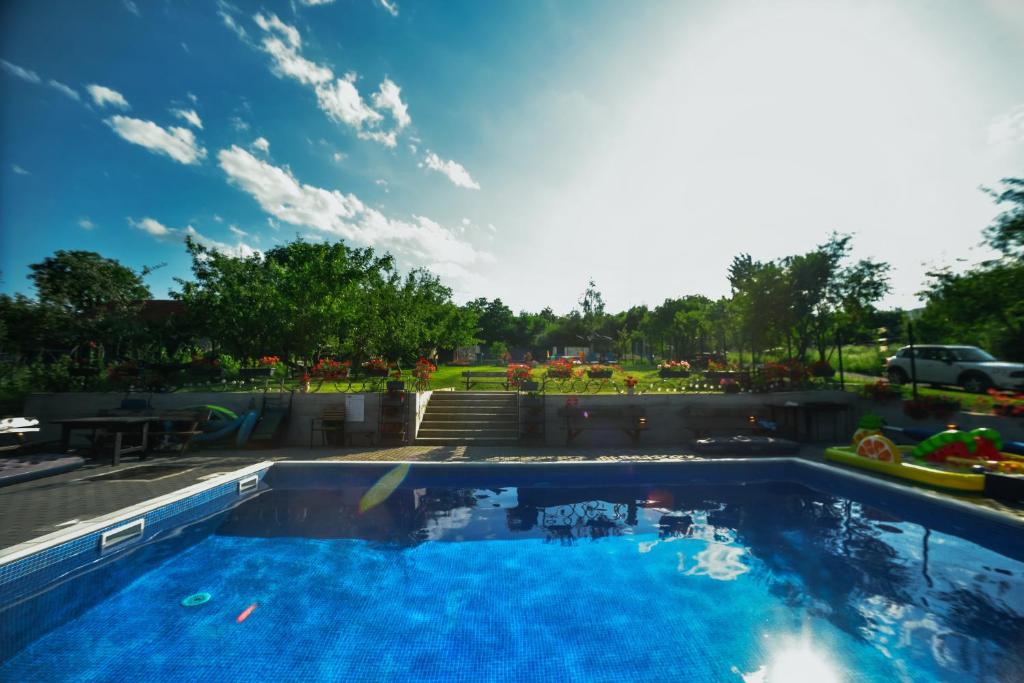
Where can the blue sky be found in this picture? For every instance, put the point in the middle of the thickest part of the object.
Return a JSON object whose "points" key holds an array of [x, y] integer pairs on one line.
{"points": [[517, 149]]}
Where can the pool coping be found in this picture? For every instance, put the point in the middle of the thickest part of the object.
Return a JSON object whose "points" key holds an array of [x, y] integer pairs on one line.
{"points": [[21, 550]]}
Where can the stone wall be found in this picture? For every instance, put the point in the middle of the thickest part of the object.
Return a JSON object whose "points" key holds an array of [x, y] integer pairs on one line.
{"points": [[676, 419], [304, 407], [672, 419]]}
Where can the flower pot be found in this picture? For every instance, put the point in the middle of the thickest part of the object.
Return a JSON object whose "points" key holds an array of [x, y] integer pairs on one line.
{"points": [[376, 372], [673, 374], [599, 374], [630, 391]]}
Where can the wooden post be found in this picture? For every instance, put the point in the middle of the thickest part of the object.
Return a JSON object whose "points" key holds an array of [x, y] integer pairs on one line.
{"points": [[839, 349], [913, 360]]}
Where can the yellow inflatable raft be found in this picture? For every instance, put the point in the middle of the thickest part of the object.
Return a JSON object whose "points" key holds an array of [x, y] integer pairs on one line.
{"points": [[932, 476]]}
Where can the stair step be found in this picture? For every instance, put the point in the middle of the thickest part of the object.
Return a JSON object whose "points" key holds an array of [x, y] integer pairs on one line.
{"points": [[454, 432], [484, 441], [480, 423], [474, 410]]}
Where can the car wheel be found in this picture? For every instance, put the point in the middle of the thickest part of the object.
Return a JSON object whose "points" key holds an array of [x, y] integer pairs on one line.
{"points": [[975, 383], [897, 376]]}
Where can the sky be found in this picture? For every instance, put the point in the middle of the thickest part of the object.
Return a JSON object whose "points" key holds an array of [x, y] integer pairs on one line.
{"points": [[516, 149]]}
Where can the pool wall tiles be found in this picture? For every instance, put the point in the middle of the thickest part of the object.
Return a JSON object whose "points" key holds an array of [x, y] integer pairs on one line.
{"points": [[34, 571]]}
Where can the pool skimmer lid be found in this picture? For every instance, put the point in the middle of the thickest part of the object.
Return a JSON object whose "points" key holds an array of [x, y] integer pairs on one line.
{"points": [[196, 600]]}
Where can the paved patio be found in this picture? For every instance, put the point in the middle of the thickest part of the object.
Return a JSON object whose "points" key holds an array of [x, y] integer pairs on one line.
{"points": [[34, 508]]}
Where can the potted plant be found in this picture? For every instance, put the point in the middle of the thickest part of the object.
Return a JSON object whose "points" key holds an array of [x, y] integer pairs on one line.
{"points": [[729, 385], [822, 369], [674, 368], [376, 367], [880, 391], [1007, 404], [599, 372], [517, 373], [630, 383], [560, 369]]}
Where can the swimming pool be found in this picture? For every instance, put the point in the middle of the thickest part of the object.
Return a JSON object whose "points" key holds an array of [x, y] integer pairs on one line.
{"points": [[745, 571]]}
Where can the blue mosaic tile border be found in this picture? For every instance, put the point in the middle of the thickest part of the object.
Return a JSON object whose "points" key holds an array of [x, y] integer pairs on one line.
{"points": [[34, 571]]}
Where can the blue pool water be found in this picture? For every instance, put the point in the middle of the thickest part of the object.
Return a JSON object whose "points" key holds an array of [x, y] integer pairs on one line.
{"points": [[727, 583]]}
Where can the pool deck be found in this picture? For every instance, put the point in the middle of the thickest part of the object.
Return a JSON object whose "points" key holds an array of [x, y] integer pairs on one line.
{"points": [[34, 508]]}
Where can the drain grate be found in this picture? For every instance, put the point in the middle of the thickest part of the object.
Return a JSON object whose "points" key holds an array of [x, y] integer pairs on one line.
{"points": [[143, 473]]}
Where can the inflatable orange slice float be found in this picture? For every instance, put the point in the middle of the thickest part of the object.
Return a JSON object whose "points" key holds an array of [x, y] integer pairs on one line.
{"points": [[878, 447], [862, 434]]}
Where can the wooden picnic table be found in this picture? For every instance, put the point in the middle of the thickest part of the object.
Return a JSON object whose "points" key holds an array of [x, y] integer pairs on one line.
{"points": [[118, 425]]}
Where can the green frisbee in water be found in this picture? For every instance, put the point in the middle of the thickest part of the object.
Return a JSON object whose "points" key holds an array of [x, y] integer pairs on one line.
{"points": [[196, 600]]}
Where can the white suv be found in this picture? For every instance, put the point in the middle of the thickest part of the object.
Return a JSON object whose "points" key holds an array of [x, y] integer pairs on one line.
{"points": [[964, 366]]}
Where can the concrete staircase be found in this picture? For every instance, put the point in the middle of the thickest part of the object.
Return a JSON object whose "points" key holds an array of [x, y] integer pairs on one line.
{"points": [[464, 418]]}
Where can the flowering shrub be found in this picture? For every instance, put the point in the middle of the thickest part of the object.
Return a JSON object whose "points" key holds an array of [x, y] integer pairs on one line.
{"points": [[674, 366], [269, 361], [600, 371], [630, 381], [205, 363], [424, 369], [715, 366], [518, 373], [328, 369]]}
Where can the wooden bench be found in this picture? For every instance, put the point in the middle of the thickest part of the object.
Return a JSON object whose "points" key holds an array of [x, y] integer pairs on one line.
{"points": [[632, 420], [473, 377]]}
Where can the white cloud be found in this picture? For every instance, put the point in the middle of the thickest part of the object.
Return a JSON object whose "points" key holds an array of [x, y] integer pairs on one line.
{"points": [[86, 224], [337, 97], [389, 96], [103, 96], [387, 139], [341, 101], [193, 98], [1008, 128], [420, 241], [24, 74], [239, 124], [288, 62], [338, 157], [240, 248], [452, 169], [18, 170], [232, 25], [190, 116], [131, 7], [272, 23], [413, 148], [156, 229], [262, 144], [64, 89], [238, 231], [177, 143], [390, 6], [152, 227], [316, 3]]}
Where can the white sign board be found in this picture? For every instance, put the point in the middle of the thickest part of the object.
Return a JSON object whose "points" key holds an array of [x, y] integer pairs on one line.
{"points": [[354, 408]]}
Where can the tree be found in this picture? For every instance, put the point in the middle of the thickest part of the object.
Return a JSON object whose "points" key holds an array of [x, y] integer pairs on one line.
{"points": [[1006, 234], [83, 281]]}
